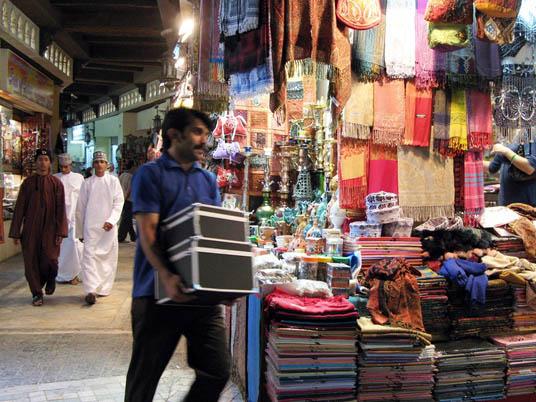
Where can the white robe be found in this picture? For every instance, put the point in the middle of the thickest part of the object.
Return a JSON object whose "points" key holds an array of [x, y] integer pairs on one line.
{"points": [[71, 248], [101, 200]]}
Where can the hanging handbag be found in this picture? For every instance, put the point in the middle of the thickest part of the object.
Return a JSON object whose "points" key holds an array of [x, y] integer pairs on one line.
{"points": [[359, 14], [515, 174], [452, 11]]}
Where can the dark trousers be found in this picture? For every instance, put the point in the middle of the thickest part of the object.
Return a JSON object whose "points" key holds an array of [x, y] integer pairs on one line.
{"points": [[39, 269], [126, 226], [157, 330]]}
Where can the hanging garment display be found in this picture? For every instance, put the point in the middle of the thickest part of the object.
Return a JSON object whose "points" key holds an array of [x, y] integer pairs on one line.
{"points": [[400, 49], [358, 115], [418, 116], [353, 163], [238, 16], [430, 64], [303, 34], [359, 14], [389, 112], [453, 11], [368, 46], [425, 183]]}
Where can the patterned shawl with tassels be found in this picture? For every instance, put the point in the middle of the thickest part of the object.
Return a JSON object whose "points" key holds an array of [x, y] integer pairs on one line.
{"points": [[238, 16], [461, 67], [430, 64], [389, 112], [358, 115], [353, 164], [400, 49], [441, 120], [368, 50], [305, 32], [425, 184], [418, 116], [473, 186], [480, 119], [458, 121]]}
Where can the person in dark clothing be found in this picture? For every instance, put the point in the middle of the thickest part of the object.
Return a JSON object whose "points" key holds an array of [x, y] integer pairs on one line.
{"points": [[126, 226], [159, 189], [40, 224]]}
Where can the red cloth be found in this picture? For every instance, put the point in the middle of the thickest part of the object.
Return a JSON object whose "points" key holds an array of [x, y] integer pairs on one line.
{"points": [[279, 300], [383, 169]]}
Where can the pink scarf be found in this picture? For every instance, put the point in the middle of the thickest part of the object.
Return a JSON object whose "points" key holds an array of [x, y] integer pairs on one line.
{"points": [[473, 197], [383, 169], [480, 119]]}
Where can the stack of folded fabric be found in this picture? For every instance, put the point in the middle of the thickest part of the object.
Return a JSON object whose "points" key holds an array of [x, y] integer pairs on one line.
{"points": [[494, 317], [524, 316], [374, 250], [512, 246], [469, 370], [311, 350], [521, 355], [434, 303], [395, 364]]}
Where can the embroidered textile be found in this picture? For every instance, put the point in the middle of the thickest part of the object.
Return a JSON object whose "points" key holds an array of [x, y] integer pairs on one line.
{"points": [[383, 169], [430, 64], [458, 121], [305, 33], [368, 46], [425, 183], [496, 30], [461, 66], [358, 115], [353, 164], [400, 49], [473, 188], [479, 115], [453, 11], [238, 16], [389, 112], [418, 116], [359, 14]]}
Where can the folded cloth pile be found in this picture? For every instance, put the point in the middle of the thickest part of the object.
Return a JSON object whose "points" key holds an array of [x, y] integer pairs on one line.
{"points": [[374, 250], [521, 354], [492, 318], [311, 350], [395, 364], [434, 303], [524, 316], [469, 370], [512, 245]]}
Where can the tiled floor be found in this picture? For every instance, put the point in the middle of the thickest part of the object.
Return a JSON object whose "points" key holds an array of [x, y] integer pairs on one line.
{"points": [[66, 351]]}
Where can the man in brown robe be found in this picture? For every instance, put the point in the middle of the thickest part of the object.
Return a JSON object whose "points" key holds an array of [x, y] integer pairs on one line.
{"points": [[40, 224]]}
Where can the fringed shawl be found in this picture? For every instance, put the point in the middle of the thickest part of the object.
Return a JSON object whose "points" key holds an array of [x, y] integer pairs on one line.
{"points": [[458, 121], [353, 164], [383, 169], [479, 115], [473, 187], [238, 16], [418, 116], [487, 59], [400, 38], [389, 112], [358, 116], [308, 30], [441, 120]]}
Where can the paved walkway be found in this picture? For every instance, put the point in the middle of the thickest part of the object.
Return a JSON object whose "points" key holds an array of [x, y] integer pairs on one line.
{"points": [[67, 351]]}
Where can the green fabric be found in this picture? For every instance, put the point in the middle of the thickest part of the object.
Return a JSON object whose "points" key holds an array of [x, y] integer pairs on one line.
{"points": [[449, 35]]}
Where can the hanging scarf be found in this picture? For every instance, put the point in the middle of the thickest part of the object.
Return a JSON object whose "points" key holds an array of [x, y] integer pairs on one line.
{"points": [[210, 69], [400, 49], [368, 50], [353, 162], [458, 121], [461, 68], [429, 63], [473, 187], [389, 114], [305, 33], [255, 82], [238, 16], [383, 169], [441, 120], [487, 59], [480, 134], [425, 184], [418, 116], [459, 179], [358, 115]]}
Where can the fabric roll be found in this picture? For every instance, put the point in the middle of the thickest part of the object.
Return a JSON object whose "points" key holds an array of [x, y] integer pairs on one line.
{"points": [[425, 184], [400, 49], [389, 112]]}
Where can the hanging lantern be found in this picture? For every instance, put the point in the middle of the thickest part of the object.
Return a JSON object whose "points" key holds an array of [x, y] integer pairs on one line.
{"points": [[169, 74]]}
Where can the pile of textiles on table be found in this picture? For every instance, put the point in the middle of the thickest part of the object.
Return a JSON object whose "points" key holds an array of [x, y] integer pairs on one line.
{"points": [[311, 348], [379, 248], [469, 370], [513, 246], [521, 361], [493, 317], [394, 363], [524, 316], [434, 303]]}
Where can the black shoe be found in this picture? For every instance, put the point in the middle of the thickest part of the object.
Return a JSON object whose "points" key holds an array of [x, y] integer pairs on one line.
{"points": [[37, 301], [50, 288], [91, 298]]}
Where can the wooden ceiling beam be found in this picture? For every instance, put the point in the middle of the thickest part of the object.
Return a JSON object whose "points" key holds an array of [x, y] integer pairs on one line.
{"points": [[105, 76], [128, 4], [125, 53], [88, 89], [111, 67]]}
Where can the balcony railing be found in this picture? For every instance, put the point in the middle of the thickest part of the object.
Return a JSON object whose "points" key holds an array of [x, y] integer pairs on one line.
{"points": [[59, 58], [15, 23]]}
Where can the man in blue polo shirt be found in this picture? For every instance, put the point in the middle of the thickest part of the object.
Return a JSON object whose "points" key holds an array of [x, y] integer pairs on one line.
{"points": [[160, 189]]}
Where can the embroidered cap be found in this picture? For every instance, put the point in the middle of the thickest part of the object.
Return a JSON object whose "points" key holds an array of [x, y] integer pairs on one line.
{"points": [[42, 152], [65, 159], [100, 156]]}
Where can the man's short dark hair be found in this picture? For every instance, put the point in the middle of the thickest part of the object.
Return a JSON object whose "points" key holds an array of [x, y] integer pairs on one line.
{"points": [[179, 119]]}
